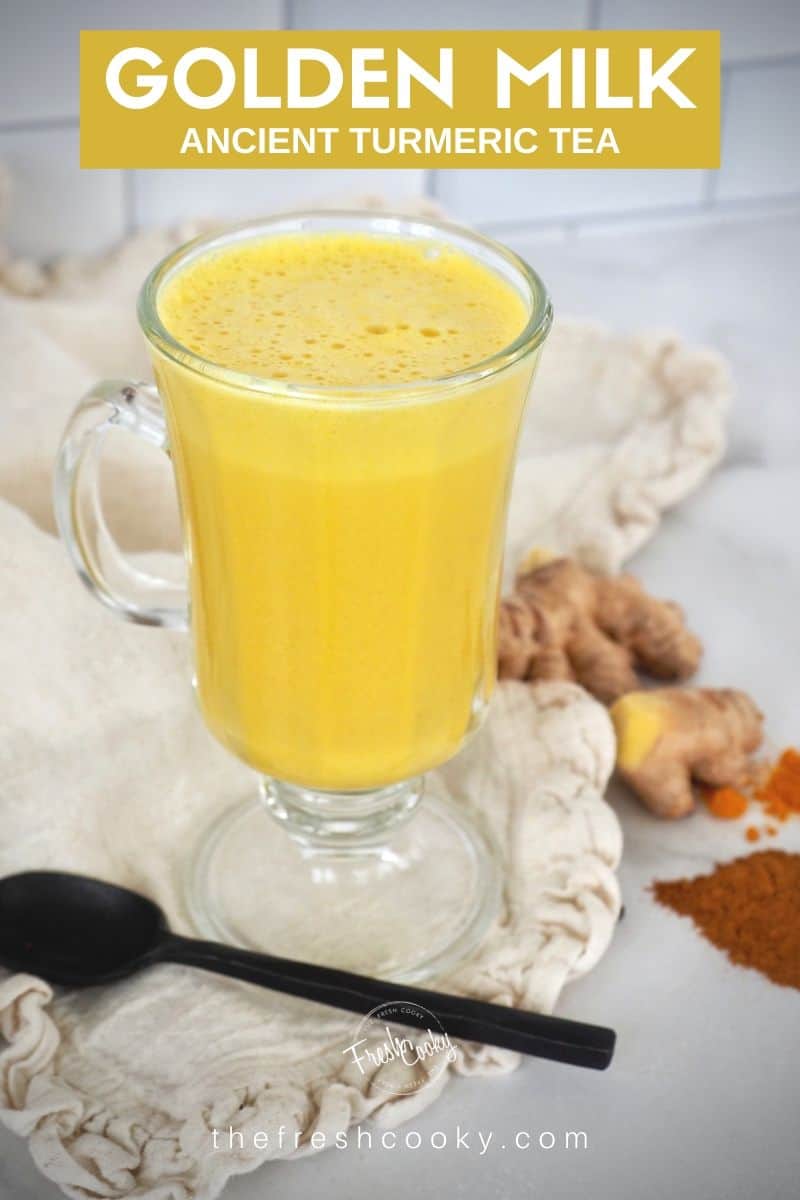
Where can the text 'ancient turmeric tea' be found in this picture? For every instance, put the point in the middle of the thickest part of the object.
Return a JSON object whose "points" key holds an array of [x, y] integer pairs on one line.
{"points": [[749, 908]]}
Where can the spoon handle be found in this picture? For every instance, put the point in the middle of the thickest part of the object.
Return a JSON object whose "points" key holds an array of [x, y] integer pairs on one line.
{"points": [[535, 1034]]}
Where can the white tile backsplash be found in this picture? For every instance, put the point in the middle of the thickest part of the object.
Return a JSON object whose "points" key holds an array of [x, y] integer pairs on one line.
{"points": [[767, 29], [496, 196], [59, 209], [447, 14], [172, 196], [759, 144], [39, 40], [56, 208]]}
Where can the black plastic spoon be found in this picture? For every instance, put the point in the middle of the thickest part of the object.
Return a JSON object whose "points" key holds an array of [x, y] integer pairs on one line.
{"points": [[77, 931]]}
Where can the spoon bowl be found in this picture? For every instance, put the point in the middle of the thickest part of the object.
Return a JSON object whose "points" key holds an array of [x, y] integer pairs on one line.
{"points": [[76, 931]]}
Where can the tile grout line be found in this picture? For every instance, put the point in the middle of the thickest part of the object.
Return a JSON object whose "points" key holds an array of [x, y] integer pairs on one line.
{"points": [[39, 124], [573, 222], [765, 60], [712, 175]]}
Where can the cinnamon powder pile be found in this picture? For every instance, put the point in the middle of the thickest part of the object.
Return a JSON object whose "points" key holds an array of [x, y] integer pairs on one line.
{"points": [[750, 908]]}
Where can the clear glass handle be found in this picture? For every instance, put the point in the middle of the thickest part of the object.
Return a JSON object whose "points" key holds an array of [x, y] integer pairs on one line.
{"points": [[109, 575]]}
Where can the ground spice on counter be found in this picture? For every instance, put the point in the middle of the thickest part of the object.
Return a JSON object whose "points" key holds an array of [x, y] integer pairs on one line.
{"points": [[780, 791], [776, 788], [749, 908], [727, 803]]}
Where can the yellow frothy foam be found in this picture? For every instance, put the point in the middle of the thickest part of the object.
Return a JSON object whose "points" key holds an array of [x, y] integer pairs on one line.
{"points": [[348, 310]]}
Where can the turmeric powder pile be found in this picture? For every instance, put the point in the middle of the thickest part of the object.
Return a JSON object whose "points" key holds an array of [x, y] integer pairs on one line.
{"points": [[780, 791], [749, 908], [727, 803], [776, 788]]}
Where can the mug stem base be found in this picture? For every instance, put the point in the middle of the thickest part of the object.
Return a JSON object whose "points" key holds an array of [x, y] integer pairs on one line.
{"points": [[397, 884]]}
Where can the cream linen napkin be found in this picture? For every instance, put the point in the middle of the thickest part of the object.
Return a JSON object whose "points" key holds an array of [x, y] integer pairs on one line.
{"points": [[105, 767]]}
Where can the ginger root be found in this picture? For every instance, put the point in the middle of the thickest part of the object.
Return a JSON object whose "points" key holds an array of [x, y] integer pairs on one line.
{"points": [[563, 622], [668, 738]]}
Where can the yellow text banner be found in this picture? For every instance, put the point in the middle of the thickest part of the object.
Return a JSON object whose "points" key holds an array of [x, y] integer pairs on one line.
{"points": [[477, 98]]}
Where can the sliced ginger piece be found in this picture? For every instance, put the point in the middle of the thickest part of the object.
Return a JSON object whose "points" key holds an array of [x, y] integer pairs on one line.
{"points": [[669, 738]]}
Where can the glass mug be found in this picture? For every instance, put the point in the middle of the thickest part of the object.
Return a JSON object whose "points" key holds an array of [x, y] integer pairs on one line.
{"points": [[344, 553]]}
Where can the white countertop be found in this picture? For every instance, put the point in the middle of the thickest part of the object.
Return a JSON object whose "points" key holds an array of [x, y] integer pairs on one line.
{"points": [[702, 1099]]}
